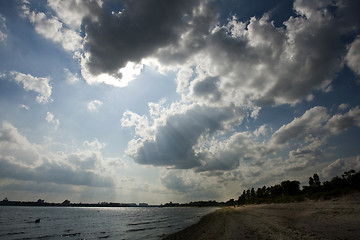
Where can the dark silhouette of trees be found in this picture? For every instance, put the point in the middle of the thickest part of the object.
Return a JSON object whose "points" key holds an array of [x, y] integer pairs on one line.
{"points": [[314, 181], [311, 182], [317, 182], [289, 191]]}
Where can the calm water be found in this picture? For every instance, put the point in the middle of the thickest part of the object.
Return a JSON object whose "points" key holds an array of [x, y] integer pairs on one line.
{"points": [[94, 223]]}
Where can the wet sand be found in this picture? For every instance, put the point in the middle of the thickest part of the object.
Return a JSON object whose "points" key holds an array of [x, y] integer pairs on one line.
{"points": [[332, 219]]}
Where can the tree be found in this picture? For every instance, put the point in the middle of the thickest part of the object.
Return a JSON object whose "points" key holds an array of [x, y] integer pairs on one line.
{"points": [[242, 198], [66, 203], [276, 190], [253, 194], [311, 182], [317, 182], [291, 187], [259, 193]]}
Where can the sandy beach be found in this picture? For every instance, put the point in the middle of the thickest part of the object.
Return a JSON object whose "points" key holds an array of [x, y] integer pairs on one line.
{"points": [[333, 219]]}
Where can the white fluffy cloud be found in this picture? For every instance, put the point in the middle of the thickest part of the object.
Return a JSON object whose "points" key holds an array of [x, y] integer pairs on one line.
{"points": [[72, 12], [341, 122], [140, 123], [37, 84], [302, 128], [53, 29], [267, 64], [50, 118], [353, 56], [15, 147], [71, 77], [94, 105]]}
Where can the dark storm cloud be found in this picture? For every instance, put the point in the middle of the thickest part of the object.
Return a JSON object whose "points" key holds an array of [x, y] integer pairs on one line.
{"points": [[139, 30], [175, 141], [208, 89]]}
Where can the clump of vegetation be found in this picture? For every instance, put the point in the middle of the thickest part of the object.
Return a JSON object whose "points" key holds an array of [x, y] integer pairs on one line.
{"points": [[289, 191]]}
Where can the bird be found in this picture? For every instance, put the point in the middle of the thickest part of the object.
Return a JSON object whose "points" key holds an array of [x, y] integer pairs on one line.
{"points": [[37, 220]]}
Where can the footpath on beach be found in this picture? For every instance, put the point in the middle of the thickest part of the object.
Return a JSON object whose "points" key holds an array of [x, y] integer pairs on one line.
{"points": [[332, 219]]}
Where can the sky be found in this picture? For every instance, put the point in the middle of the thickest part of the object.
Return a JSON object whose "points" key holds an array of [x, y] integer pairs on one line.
{"points": [[157, 101]]}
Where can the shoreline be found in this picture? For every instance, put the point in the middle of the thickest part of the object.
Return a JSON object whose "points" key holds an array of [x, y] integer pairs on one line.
{"points": [[331, 219]]}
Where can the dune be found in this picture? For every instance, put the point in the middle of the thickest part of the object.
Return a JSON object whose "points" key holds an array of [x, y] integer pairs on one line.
{"points": [[332, 219]]}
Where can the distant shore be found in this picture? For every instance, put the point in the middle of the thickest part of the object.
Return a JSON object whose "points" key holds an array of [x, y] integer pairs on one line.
{"points": [[332, 219]]}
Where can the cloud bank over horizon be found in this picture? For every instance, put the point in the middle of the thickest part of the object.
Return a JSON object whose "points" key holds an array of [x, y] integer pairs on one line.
{"points": [[185, 99]]}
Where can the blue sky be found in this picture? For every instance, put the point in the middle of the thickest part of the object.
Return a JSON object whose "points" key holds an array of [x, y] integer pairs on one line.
{"points": [[158, 101]]}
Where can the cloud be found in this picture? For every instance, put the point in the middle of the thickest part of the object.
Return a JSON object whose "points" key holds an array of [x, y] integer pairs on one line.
{"points": [[259, 61], [94, 105], [124, 33], [71, 77], [305, 157], [26, 161], [227, 154], [174, 142], [343, 106], [341, 122], [207, 88], [263, 63], [37, 84], [340, 165], [136, 32], [226, 72], [314, 123], [72, 12], [193, 186], [23, 106], [176, 182], [3, 29], [94, 145], [65, 28], [310, 123], [53, 172], [50, 118], [52, 28], [140, 123], [353, 56], [201, 139], [16, 147]]}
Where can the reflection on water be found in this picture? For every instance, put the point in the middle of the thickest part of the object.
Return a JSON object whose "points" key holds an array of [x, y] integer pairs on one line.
{"points": [[94, 223]]}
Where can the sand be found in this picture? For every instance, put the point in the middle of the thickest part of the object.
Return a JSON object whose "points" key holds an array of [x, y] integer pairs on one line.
{"points": [[332, 219]]}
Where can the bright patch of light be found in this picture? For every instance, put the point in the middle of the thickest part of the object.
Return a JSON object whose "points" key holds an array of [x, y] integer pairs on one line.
{"points": [[122, 79], [130, 71]]}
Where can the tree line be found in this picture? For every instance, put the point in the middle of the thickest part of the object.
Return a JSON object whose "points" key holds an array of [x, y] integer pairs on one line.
{"points": [[289, 191]]}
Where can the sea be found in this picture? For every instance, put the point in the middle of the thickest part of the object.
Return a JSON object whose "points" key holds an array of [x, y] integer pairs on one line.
{"points": [[85, 223]]}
